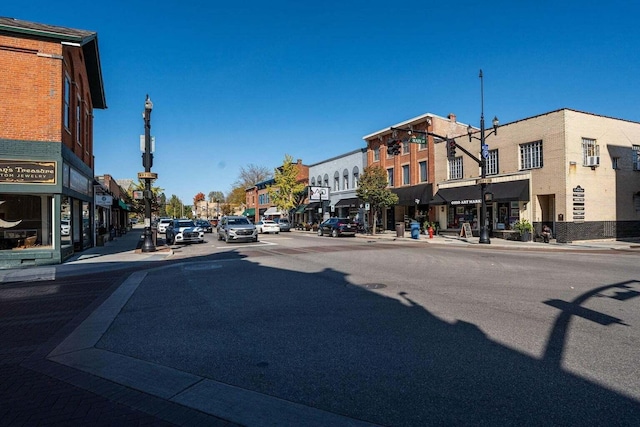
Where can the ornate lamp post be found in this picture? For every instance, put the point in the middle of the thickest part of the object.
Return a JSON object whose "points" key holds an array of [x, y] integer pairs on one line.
{"points": [[484, 154], [147, 161]]}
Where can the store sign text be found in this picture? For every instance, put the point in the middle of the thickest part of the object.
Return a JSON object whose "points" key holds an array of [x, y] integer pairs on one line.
{"points": [[28, 172]]}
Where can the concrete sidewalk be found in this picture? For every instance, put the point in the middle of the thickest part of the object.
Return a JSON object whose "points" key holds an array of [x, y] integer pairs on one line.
{"points": [[120, 250], [496, 243]]}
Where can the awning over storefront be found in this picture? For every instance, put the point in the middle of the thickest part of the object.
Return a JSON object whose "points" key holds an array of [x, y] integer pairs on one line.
{"points": [[408, 195], [272, 211], [249, 212], [348, 203], [301, 208], [470, 194], [313, 206]]}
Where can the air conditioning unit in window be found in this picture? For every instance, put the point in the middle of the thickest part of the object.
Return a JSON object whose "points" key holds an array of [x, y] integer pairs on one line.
{"points": [[593, 160]]}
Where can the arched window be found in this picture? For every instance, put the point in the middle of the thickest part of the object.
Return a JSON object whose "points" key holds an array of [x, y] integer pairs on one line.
{"points": [[356, 176], [319, 180], [326, 180], [336, 181], [345, 179], [313, 181]]}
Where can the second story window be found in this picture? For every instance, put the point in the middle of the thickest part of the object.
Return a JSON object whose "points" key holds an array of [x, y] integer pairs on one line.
{"points": [[423, 171], [455, 168], [79, 120], [390, 177], [405, 148], [590, 152], [376, 154], [492, 163], [67, 102], [406, 179], [531, 155], [336, 182], [345, 180]]}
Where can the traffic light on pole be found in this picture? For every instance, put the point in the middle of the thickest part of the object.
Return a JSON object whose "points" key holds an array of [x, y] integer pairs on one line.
{"points": [[451, 149], [393, 147]]}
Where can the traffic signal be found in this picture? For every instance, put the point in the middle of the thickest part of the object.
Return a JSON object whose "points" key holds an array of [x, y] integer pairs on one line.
{"points": [[393, 147], [451, 149], [147, 160]]}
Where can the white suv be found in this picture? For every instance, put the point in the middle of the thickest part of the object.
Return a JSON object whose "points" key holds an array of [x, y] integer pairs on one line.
{"points": [[163, 223]]}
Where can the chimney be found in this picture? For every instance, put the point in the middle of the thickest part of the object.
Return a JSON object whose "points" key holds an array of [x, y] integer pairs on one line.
{"points": [[452, 117], [299, 161]]}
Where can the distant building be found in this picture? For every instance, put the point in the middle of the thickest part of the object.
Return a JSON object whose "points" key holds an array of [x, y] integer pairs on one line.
{"points": [[51, 83]]}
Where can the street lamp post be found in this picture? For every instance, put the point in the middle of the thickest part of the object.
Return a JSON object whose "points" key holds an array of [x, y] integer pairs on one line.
{"points": [[484, 231], [147, 245]]}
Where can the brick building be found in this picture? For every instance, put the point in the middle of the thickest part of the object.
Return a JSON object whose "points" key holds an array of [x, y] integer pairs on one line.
{"points": [[577, 172], [51, 83]]}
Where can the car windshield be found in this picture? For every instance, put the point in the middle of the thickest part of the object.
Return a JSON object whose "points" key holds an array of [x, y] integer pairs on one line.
{"points": [[238, 221], [185, 224]]}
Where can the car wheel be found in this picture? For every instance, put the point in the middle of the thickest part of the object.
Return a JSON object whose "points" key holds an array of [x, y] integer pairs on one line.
{"points": [[219, 238], [277, 232], [334, 233], [255, 239], [320, 232]]}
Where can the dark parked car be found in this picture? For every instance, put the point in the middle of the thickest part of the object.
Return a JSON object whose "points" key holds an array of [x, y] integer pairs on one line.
{"points": [[284, 224], [205, 225], [335, 227]]}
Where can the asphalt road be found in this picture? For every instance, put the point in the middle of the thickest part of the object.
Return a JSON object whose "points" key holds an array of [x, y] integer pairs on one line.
{"points": [[304, 330]]}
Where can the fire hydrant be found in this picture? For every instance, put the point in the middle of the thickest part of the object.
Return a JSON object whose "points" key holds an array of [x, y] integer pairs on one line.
{"points": [[430, 229]]}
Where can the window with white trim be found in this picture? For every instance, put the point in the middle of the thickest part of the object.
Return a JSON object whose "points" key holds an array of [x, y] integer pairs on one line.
{"points": [[390, 177], [405, 147], [455, 168], [336, 182], [345, 180], [356, 177], [376, 154], [492, 163], [531, 155], [590, 149]]}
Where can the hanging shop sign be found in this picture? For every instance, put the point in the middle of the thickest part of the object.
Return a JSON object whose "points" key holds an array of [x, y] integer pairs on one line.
{"points": [[27, 172]]}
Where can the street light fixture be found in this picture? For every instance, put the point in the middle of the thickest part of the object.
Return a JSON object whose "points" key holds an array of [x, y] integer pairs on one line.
{"points": [[147, 161], [484, 154]]}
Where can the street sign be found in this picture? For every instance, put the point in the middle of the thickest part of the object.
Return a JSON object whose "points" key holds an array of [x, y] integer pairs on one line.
{"points": [[485, 151], [147, 175], [418, 140], [153, 144]]}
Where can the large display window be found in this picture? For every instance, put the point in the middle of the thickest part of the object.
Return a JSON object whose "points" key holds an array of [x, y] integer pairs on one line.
{"points": [[25, 221]]}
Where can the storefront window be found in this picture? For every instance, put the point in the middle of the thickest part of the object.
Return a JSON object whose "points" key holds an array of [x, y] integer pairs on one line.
{"points": [[65, 225], [25, 221]]}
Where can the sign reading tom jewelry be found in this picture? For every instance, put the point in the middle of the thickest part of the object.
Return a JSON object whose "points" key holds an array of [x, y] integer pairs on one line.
{"points": [[578, 204], [27, 171]]}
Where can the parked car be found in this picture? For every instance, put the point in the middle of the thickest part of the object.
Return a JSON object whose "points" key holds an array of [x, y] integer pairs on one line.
{"points": [[65, 227], [336, 227], [214, 223], [162, 224], [237, 228], [267, 226], [284, 224], [183, 231], [205, 225]]}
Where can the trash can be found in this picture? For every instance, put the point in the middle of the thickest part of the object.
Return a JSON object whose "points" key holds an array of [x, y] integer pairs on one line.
{"points": [[415, 230], [399, 229]]}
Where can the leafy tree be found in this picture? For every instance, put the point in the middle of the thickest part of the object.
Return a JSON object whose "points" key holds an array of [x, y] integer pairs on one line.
{"points": [[198, 198], [175, 207], [137, 206], [286, 187], [237, 196], [251, 174], [226, 209], [372, 189], [216, 196]]}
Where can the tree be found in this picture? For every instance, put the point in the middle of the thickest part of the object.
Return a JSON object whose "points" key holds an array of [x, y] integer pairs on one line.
{"points": [[372, 189], [198, 198], [237, 196], [251, 174], [137, 206], [286, 188], [216, 196], [175, 207]]}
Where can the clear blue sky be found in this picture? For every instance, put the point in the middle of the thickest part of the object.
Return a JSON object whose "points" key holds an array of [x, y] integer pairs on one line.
{"points": [[243, 82]]}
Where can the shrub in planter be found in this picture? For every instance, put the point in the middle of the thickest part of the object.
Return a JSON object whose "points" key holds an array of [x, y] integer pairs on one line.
{"points": [[525, 228]]}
